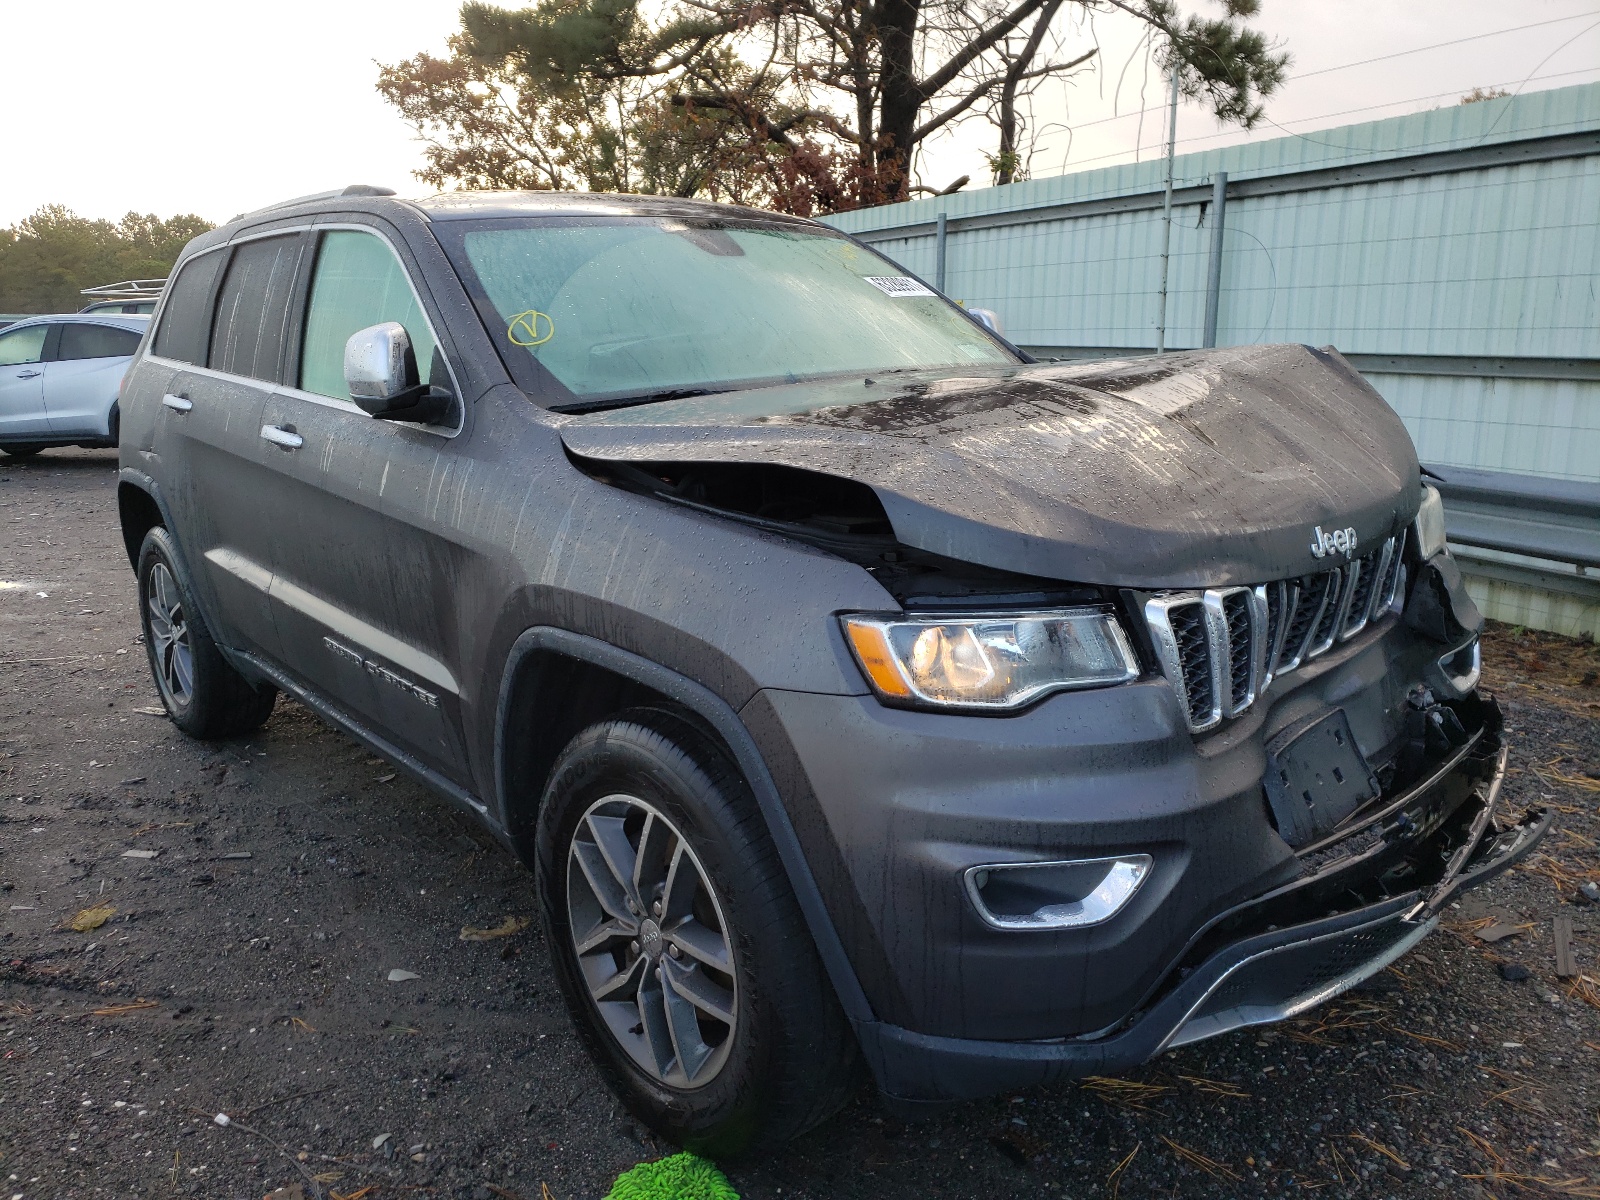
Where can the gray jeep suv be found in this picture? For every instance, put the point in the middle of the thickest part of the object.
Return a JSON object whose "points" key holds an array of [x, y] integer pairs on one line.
{"points": [[862, 693]]}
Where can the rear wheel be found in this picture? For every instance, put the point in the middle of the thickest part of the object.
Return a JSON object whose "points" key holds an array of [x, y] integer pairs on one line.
{"points": [[204, 696], [678, 943]]}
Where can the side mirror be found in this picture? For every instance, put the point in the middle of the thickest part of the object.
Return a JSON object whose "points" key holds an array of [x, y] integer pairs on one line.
{"points": [[988, 318], [380, 369]]}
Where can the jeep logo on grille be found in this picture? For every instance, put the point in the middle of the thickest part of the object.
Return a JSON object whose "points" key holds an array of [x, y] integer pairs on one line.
{"points": [[1340, 541]]}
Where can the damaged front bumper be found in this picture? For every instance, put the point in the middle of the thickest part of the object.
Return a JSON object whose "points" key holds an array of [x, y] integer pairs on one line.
{"points": [[1368, 897]]}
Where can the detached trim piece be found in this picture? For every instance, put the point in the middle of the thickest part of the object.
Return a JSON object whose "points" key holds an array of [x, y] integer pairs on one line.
{"points": [[1469, 366]]}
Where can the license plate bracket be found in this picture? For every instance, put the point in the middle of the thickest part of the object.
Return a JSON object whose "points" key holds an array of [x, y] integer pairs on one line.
{"points": [[1316, 777]]}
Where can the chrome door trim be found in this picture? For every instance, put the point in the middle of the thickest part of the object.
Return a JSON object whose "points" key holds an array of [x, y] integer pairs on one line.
{"points": [[369, 638]]}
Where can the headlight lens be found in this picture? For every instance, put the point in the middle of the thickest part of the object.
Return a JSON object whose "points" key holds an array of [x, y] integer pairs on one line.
{"points": [[990, 661], [1430, 523]]}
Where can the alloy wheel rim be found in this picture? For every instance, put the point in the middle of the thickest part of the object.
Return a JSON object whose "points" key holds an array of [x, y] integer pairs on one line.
{"points": [[651, 941], [169, 635]]}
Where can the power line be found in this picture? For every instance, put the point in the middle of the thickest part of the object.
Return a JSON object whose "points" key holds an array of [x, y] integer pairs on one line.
{"points": [[1210, 137], [1440, 45], [1382, 58]]}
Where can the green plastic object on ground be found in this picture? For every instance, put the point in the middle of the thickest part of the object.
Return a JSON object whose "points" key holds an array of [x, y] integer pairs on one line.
{"points": [[682, 1177]]}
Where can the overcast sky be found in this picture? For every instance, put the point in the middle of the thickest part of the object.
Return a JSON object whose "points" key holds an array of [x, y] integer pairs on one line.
{"points": [[167, 107]]}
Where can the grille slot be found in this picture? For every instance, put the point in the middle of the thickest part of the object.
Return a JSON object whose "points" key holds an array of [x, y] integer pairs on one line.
{"points": [[1222, 647], [1241, 667], [1183, 639], [1312, 593], [1392, 577], [1328, 618], [1370, 571]]}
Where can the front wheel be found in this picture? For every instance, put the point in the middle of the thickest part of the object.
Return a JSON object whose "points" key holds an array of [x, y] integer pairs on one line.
{"points": [[679, 947], [204, 696]]}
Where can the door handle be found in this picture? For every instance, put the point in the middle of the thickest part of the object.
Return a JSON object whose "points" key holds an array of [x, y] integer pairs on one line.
{"points": [[29, 374], [180, 404], [278, 436]]}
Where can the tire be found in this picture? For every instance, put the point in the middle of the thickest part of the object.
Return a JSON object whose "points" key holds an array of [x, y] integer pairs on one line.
{"points": [[787, 1058], [23, 449], [204, 696], [114, 427]]}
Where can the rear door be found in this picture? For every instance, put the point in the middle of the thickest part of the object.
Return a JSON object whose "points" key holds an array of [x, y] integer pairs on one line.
{"points": [[363, 597], [81, 378], [22, 352], [215, 461]]}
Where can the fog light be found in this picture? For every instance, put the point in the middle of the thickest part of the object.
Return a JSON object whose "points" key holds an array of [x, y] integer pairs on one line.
{"points": [[1055, 895]]}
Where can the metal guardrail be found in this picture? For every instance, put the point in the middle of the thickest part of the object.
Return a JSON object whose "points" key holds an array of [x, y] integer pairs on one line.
{"points": [[1556, 520]]}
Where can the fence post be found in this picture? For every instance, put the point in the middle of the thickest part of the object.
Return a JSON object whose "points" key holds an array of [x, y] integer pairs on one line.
{"points": [[1219, 204], [938, 253]]}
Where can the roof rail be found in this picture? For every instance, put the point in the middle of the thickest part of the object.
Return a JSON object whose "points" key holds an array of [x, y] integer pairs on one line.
{"points": [[128, 289], [355, 189]]}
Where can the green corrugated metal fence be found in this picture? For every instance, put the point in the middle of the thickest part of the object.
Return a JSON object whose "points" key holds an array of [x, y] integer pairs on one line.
{"points": [[1453, 255]]}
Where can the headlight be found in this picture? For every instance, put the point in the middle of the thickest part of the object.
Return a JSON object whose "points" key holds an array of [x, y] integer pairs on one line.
{"points": [[990, 661], [1430, 523]]}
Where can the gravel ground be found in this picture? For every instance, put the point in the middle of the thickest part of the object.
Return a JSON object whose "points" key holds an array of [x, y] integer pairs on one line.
{"points": [[261, 891]]}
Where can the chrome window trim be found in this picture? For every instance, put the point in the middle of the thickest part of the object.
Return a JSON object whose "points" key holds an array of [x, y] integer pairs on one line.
{"points": [[297, 393]]}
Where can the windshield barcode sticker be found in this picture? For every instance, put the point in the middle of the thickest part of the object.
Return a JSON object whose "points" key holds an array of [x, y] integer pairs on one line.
{"points": [[898, 285]]}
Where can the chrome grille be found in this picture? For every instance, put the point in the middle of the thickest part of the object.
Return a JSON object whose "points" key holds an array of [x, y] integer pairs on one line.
{"points": [[1222, 647]]}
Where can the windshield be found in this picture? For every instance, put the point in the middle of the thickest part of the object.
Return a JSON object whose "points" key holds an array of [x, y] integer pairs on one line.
{"points": [[605, 308]]}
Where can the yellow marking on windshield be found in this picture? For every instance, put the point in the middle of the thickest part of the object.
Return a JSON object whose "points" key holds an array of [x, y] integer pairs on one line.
{"points": [[527, 325]]}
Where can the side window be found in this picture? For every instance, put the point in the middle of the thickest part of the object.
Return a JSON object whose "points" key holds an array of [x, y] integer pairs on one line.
{"points": [[186, 321], [96, 341], [21, 346], [252, 318], [358, 283]]}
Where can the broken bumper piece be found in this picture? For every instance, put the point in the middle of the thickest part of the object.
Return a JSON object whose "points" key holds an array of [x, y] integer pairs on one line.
{"points": [[1254, 979]]}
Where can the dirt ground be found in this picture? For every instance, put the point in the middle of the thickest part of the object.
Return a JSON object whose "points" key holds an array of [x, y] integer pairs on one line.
{"points": [[280, 879]]}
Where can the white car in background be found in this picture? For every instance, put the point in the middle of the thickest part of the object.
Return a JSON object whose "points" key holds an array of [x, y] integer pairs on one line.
{"points": [[59, 378]]}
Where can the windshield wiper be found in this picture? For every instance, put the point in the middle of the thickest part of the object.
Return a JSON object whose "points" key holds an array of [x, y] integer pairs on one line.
{"points": [[589, 406]]}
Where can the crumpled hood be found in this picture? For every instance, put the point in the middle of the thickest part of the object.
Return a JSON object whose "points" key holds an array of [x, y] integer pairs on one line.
{"points": [[1197, 468]]}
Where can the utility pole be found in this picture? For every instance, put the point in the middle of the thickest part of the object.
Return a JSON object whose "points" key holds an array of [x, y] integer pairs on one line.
{"points": [[1166, 216]]}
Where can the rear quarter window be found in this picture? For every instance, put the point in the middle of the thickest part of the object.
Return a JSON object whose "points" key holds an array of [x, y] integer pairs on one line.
{"points": [[186, 320], [96, 341]]}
